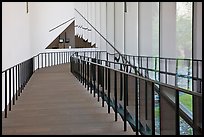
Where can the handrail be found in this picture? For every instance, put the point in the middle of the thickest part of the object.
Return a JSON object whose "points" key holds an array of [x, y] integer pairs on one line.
{"points": [[85, 71], [105, 39], [159, 57], [147, 79], [46, 52], [149, 69], [61, 24]]}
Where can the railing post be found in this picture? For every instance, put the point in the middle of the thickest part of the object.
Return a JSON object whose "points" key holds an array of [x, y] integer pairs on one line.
{"points": [[166, 71], [136, 105], [85, 80], [51, 59], [102, 86], [127, 85], [88, 75], [115, 94], [125, 102], [54, 58], [5, 110], [19, 87], [80, 71], [48, 59], [98, 82], [38, 61], [121, 83], [83, 62], [177, 113], [57, 58], [91, 69], [10, 89], [94, 79], [42, 60], [153, 110], [108, 90], [16, 83], [13, 88], [106, 63]]}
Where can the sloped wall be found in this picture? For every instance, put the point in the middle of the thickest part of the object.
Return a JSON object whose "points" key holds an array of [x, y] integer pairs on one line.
{"points": [[45, 16]]}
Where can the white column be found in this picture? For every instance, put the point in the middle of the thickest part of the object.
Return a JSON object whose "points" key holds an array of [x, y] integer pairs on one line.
{"points": [[197, 30], [89, 19], [168, 29], [119, 26], [168, 47], [97, 9], [131, 29], [93, 23], [110, 26], [103, 25], [145, 29]]}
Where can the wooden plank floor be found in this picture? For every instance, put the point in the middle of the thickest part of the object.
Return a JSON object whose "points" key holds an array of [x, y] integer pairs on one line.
{"points": [[54, 102]]}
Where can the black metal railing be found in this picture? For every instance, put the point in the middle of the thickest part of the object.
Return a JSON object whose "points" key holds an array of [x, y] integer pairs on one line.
{"points": [[148, 67], [161, 71], [14, 79], [133, 97], [179, 69]]}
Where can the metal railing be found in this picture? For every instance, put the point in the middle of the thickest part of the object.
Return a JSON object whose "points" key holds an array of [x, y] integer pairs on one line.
{"points": [[177, 68], [133, 97], [14, 79]]}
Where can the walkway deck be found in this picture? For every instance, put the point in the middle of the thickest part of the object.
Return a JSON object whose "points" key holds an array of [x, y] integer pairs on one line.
{"points": [[55, 103]]}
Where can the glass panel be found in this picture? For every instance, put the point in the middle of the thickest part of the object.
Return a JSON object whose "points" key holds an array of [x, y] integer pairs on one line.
{"points": [[157, 113], [184, 29], [185, 128]]}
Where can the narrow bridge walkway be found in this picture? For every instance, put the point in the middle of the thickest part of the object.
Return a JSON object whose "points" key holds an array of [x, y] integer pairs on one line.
{"points": [[55, 103]]}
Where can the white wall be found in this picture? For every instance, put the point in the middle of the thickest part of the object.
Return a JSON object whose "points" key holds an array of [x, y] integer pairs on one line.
{"points": [[168, 29], [15, 34], [131, 30], [145, 29], [103, 24], [27, 34], [110, 21], [198, 31], [119, 26], [15, 39], [43, 17]]}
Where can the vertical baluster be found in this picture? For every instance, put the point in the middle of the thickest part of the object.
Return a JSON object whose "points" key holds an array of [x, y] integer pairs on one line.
{"points": [[13, 88], [177, 113], [136, 105], [108, 90], [98, 82], [10, 89], [115, 94], [16, 82], [125, 101], [5, 110], [102, 86], [94, 79], [153, 111]]}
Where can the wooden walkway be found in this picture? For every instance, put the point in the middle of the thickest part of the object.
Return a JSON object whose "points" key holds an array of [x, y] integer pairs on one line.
{"points": [[55, 103]]}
